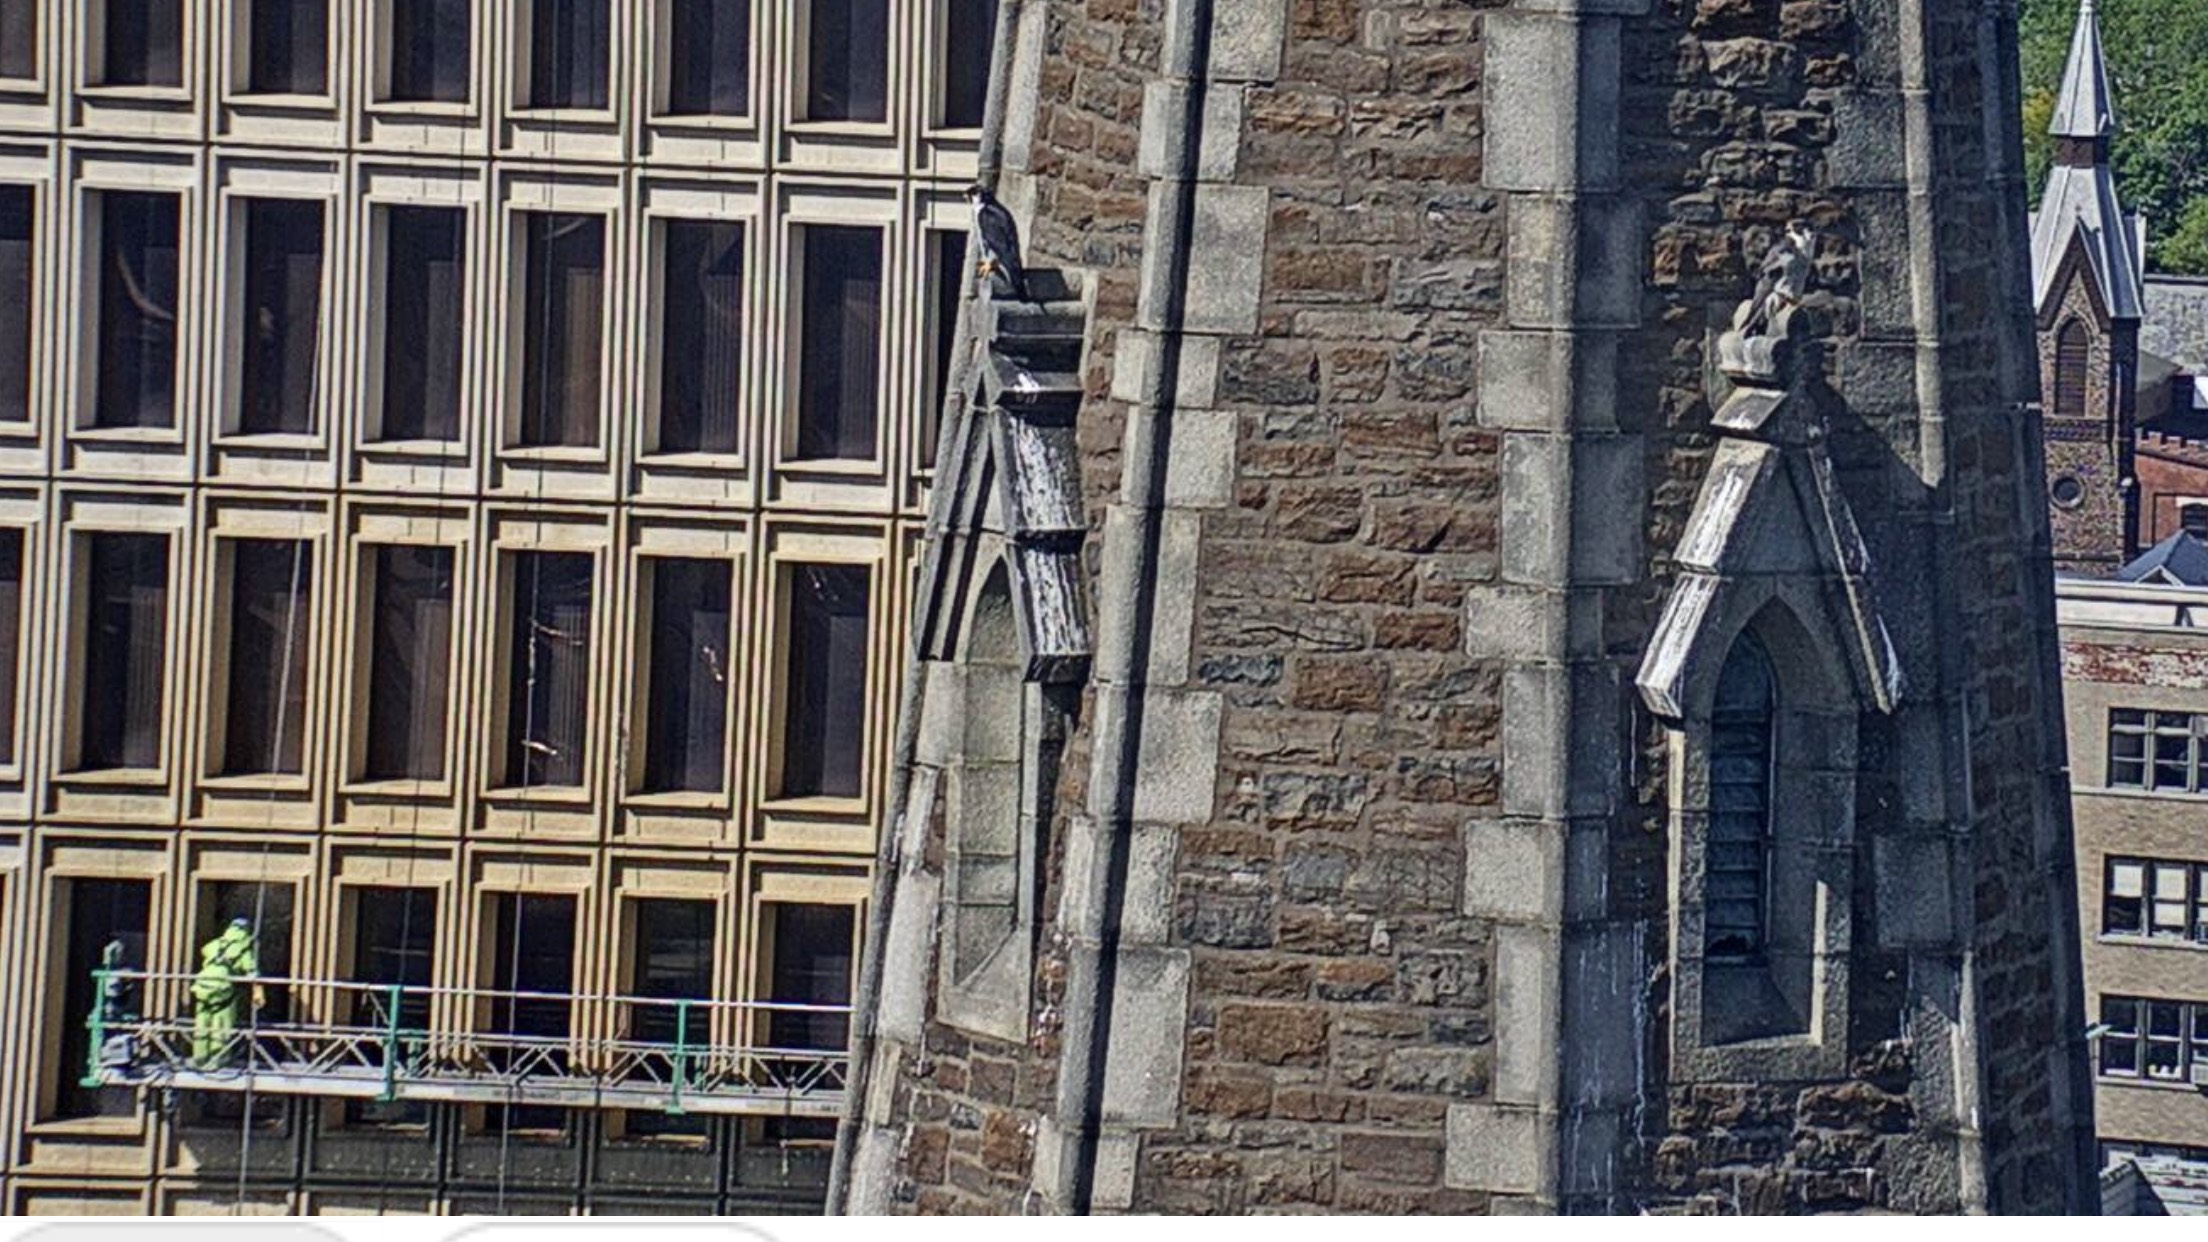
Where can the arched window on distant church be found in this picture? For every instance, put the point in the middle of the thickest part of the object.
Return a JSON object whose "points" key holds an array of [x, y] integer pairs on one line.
{"points": [[2073, 354], [1738, 864]]}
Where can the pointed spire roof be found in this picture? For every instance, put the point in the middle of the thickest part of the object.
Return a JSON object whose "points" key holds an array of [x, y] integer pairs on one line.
{"points": [[2084, 110], [2080, 206]]}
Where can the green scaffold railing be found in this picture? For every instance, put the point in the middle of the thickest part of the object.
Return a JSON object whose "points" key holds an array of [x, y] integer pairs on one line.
{"points": [[394, 1042]]}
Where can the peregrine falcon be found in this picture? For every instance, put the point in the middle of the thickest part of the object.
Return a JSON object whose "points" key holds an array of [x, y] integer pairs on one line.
{"points": [[999, 239]]}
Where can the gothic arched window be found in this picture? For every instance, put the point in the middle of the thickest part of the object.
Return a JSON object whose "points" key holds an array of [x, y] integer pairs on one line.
{"points": [[1741, 723], [2073, 354], [986, 831]]}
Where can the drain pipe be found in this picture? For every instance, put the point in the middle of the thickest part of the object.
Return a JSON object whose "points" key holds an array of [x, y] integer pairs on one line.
{"points": [[1092, 970], [889, 851]]}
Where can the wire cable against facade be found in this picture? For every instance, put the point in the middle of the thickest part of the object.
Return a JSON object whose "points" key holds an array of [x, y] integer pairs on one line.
{"points": [[526, 750], [252, 999]]}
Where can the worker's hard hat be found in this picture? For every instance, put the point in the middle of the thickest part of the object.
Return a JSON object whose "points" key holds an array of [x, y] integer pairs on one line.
{"points": [[242, 923]]}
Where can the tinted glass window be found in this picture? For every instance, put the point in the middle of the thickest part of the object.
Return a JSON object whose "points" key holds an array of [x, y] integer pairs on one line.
{"points": [[125, 655], [429, 51], [701, 336], [708, 57], [564, 262], [824, 709], [548, 695], [281, 316], [409, 661], [136, 277], [288, 46], [839, 368], [271, 581], [847, 60], [425, 266]]}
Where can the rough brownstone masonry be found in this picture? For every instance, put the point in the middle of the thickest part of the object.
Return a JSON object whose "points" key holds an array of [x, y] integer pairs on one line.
{"points": [[1300, 809]]}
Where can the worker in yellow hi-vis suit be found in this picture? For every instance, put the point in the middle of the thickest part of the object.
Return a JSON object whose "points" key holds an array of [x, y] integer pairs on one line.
{"points": [[222, 962]]}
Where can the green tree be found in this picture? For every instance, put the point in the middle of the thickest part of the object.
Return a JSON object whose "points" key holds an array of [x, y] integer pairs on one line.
{"points": [[2185, 248], [2158, 68]]}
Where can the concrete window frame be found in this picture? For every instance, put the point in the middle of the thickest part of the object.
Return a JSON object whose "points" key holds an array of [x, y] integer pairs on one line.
{"points": [[281, 800]]}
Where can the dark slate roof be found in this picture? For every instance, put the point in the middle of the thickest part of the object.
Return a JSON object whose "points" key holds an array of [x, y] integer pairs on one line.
{"points": [[2179, 560], [2084, 109]]}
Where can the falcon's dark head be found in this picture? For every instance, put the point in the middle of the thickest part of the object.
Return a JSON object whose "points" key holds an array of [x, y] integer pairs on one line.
{"points": [[979, 193]]}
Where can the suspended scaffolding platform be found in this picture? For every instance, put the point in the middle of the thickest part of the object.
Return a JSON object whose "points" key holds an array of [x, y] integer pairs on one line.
{"points": [[469, 1046]]}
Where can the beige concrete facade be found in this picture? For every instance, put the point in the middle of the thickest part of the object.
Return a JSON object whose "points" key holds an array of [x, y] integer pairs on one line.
{"points": [[2130, 648], [325, 834]]}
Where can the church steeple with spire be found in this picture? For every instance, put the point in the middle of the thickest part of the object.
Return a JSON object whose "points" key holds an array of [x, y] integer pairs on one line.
{"points": [[2087, 275]]}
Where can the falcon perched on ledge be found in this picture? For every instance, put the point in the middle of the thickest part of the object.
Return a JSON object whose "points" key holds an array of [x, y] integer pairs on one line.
{"points": [[999, 238]]}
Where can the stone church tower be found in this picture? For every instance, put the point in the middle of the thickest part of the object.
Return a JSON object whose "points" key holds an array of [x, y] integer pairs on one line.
{"points": [[2088, 273], [1433, 689]]}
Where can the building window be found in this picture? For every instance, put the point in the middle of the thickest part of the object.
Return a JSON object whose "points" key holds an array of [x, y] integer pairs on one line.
{"points": [[104, 925], [125, 650], [847, 60], [824, 680], [264, 711], [670, 960], [687, 680], [969, 36], [808, 951], [11, 638], [1740, 804], [2155, 750], [532, 950], [548, 677], [428, 45], [2161, 1040], [2073, 354], [701, 335], [424, 302], [141, 43], [280, 320], [19, 38], [288, 47], [839, 341], [708, 57], [409, 619], [394, 939], [568, 56], [2193, 519], [946, 278], [2169, 900], [18, 268], [135, 255], [563, 319]]}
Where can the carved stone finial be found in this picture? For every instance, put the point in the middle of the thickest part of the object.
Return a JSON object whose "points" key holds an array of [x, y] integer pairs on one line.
{"points": [[1757, 350]]}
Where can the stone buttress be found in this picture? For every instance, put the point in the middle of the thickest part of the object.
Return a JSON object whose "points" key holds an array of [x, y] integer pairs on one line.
{"points": [[1420, 701]]}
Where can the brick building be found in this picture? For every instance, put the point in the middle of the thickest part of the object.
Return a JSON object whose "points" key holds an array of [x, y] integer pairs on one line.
{"points": [[1424, 700]]}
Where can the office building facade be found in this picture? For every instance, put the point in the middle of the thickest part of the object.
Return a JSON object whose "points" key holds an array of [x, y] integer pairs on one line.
{"points": [[459, 463]]}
